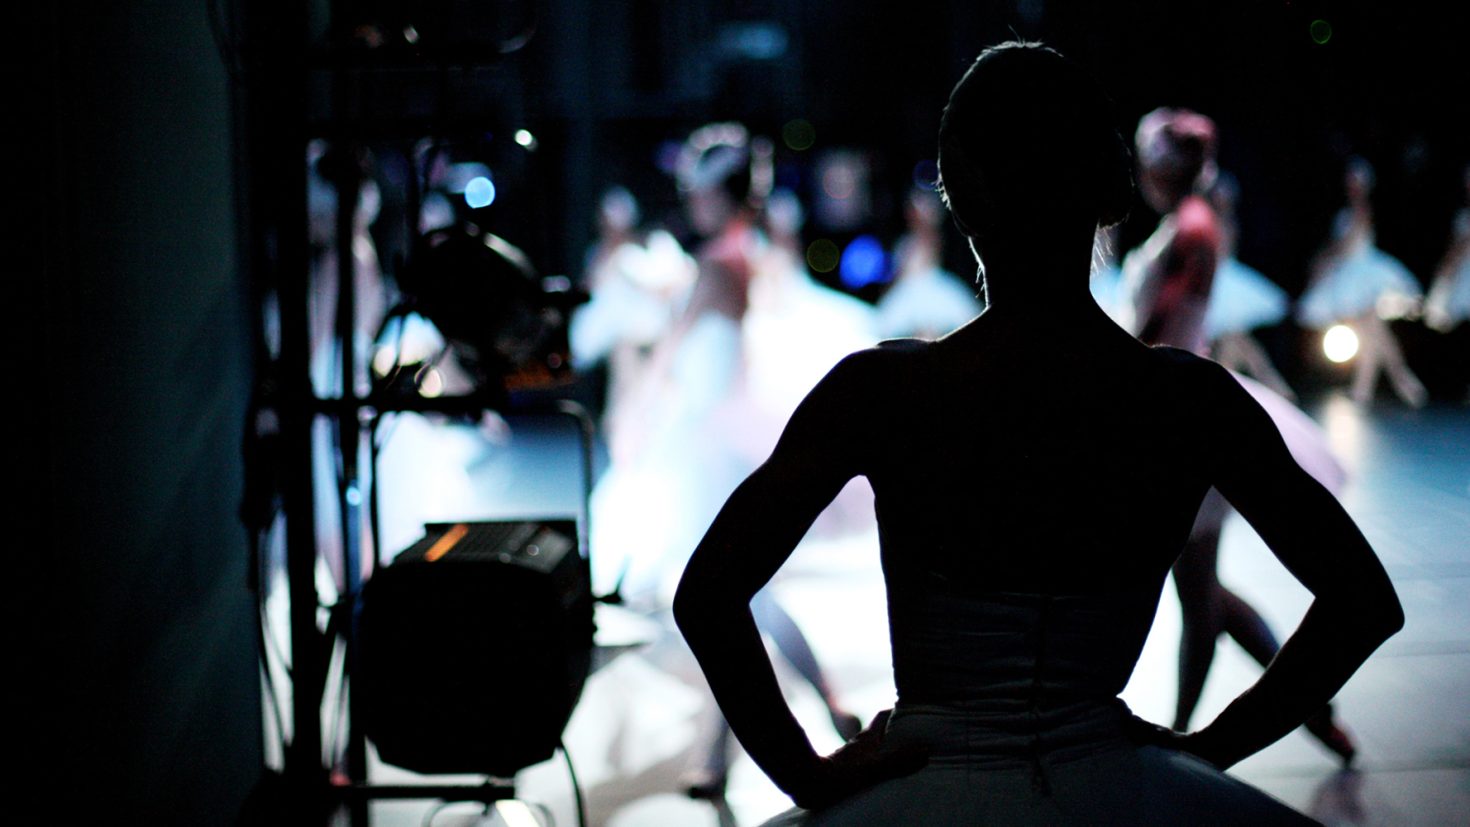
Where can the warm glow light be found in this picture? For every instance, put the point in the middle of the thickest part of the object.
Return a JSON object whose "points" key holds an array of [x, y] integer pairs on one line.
{"points": [[1340, 343], [450, 539]]}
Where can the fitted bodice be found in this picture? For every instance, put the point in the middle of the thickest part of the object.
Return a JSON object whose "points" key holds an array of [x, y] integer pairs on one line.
{"points": [[1014, 652], [1007, 679]]}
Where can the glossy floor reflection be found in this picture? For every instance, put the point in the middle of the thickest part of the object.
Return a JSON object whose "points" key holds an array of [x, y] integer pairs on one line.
{"points": [[634, 731]]}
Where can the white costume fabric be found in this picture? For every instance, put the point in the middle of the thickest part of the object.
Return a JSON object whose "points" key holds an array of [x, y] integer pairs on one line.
{"points": [[1241, 300], [926, 303], [1449, 300], [1363, 278]]}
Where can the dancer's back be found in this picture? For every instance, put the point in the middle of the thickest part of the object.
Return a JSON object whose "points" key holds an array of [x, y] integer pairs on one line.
{"points": [[1036, 473]]}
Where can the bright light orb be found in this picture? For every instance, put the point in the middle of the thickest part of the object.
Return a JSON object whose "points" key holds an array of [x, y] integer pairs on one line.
{"points": [[479, 192], [1340, 343]]}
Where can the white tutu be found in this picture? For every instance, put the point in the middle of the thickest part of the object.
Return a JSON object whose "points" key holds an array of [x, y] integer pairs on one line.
{"points": [[1241, 299], [1362, 280], [650, 509], [1449, 300], [927, 303]]}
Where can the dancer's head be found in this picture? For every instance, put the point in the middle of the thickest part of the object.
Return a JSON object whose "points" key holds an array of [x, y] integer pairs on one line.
{"points": [[617, 212], [1176, 156], [922, 209], [722, 173], [1027, 146], [1359, 178]]}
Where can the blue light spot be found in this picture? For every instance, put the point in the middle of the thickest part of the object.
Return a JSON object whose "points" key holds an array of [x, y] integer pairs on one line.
{"points": [[479, 192], [863, 263]]}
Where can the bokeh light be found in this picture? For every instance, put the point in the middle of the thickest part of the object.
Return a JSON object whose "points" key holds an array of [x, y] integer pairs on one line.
{"points": [[822, 255], [839, 181], [863, 262], [526, 139], [799, 134], [1340, 343], [926, 174], [1321, 32], [479, 192]]}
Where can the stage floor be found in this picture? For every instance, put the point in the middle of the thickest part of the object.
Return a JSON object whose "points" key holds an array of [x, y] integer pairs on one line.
{"points": [[635, 730]]}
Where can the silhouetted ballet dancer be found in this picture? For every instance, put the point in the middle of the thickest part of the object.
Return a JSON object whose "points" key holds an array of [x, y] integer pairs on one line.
{"points": [[680, 457], [1172, 274], [1355, 283], [1449, 297], [1036, 472], [1241, 300], [925, 300]]}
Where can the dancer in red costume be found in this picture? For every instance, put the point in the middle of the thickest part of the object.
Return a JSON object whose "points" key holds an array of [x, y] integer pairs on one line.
{"points": [[1172, 274]]}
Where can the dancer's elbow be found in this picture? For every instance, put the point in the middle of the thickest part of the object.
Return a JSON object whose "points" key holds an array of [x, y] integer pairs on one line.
{"points": [[1372, 617], [697, 606], [1390, 615]]}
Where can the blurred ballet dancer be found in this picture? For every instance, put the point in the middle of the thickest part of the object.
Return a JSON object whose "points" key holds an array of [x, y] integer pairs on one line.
{"points": [[1241, 300], [636, 282], [1448, 305], [680, 457], [1355, 283], [1172, 275], [1449, 298], [796, 329], [925, 301]]}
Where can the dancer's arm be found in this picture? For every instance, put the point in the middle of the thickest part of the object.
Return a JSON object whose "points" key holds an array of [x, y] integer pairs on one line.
{"points": [[1354, 607], [753, 535]]}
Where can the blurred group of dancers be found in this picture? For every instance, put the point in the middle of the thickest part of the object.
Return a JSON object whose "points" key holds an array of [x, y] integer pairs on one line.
{"points": [[709, 347], [1352, 283]]}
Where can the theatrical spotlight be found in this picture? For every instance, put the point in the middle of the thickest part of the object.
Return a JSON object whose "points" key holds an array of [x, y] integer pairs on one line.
{"points": [[507, 327], [1340, 343], [474, 644]]}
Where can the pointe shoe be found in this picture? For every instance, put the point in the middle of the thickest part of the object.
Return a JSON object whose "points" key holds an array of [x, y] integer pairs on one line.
{"points": [[1325, 729]]}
